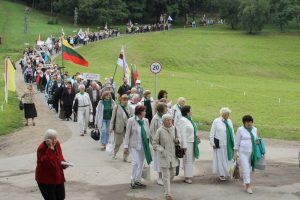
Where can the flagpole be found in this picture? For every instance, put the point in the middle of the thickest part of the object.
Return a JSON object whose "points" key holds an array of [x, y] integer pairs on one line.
{"points": [[113, 79], [62, 58]]}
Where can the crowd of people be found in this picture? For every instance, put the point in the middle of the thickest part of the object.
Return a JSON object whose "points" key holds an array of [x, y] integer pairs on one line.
{"points": [[149, 128]]}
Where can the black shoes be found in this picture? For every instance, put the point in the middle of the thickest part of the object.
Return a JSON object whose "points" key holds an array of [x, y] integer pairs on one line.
{"points": [[137, 185]]}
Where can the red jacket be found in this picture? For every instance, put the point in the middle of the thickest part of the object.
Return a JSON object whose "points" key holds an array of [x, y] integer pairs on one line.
{"points": [[49, 169]]}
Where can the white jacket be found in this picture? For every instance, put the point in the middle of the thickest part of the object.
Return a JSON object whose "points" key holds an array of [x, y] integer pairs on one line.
{"points": [[218, 131], [186, 131]]}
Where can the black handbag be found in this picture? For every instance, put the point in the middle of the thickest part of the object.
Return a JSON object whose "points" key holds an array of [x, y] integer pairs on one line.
{"points": [[95, 134], [21, 105], [178, 150]]}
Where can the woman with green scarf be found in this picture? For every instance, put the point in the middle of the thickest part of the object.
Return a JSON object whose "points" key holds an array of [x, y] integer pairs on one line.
{"points": [[189, 141], [222, 140], [137, 143], [245, 145]]}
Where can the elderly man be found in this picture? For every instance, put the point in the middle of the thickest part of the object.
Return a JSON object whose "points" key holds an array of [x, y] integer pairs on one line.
{"points": [[94, 94], [139, 88], [120, 115], [222, 141], [164, 143], [123, 89], [176, 111], [85, 108]]}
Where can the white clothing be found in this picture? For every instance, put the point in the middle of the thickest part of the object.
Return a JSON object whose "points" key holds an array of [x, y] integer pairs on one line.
{"points": [[220, 163], [243, 145], [84, 100], [188, 160], [176, 115], [186, 131], [138, 157], [83, 118]]}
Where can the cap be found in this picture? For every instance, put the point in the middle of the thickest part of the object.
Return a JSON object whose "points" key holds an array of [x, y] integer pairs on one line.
{"points": [[138, 82]]}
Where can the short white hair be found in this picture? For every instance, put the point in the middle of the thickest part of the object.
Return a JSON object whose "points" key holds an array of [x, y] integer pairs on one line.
{"points": [[181, 99], [50, 133], [225, 110], [166, 116], [81, 86]]}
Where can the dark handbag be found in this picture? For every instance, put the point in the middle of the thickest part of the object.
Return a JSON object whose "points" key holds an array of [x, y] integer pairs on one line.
{"points": [[95, 134], [178, 150], [236, 172], [21, 105], [217, 143], [50, 100]]}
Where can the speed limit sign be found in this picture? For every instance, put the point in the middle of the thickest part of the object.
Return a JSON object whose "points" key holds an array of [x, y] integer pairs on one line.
{"points": [[155, 67]]}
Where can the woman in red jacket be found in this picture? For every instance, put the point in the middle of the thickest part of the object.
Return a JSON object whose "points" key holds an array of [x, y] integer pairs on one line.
{"points": [[49, 170]]}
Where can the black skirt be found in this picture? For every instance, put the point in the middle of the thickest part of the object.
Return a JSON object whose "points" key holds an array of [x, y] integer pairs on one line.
{"points": [[29, 110]]}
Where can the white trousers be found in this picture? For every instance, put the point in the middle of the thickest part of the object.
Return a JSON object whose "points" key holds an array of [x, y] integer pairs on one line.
{"points": [[83, 118], [245, 159], [138, 157], [167, 175], [188, 160]]}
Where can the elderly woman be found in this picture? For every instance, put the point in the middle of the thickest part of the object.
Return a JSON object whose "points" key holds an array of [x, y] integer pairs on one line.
{"points": [[137, 142], [156, 123], [67, 98], [103, 117], [164, 144], [120, 115], [245, 144], [29, 106], [222, 141], [49, 170], [189, 141], [176, 111], [85, 108], [149, 103]]}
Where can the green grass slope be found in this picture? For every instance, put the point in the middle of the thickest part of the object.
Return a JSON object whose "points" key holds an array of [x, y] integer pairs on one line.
{"points": [[13, 39], [215, 67]]}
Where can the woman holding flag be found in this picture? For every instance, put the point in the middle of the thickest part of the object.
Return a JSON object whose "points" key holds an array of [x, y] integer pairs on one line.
{"points": [[189, 141], [245, 145], [137, 142], [222, 141]]}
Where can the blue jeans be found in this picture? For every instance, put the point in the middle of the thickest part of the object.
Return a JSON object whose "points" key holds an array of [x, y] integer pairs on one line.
{"points": [[105, 132]]}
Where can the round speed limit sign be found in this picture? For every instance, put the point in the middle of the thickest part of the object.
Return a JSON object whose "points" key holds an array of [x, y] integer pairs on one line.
{"points": [[155, 67]]}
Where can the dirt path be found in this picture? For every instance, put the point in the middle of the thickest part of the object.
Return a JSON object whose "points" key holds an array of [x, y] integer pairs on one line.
{"points": [[97, 176]]}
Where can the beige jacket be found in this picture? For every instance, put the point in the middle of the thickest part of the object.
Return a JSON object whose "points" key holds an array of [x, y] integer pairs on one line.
{"points": [[133, 138], [119, 119], [29, 96], [164, 143]]}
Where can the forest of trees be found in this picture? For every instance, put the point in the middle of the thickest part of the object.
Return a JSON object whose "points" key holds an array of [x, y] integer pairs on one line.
{"points": [[249, 14]]}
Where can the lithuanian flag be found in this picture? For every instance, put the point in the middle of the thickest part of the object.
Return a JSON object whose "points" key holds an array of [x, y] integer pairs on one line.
{"points": [[68, 53]]}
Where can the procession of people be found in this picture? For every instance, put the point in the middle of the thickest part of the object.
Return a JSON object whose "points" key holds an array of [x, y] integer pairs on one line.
{"points": [[143, 127]]}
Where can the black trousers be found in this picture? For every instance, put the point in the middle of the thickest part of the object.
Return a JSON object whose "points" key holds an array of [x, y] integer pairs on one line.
{"points": [[68, 110], [55, 104], [52, 192]]}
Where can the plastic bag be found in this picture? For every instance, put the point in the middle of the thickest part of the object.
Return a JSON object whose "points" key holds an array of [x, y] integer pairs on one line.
{"points": [[111, 145]]}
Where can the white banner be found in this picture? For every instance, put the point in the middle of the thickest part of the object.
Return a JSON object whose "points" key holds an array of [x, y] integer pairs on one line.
{"points": [[94, 77]]}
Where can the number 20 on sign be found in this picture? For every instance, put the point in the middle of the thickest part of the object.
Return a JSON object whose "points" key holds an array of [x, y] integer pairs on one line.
{"points": [[155, 67]]}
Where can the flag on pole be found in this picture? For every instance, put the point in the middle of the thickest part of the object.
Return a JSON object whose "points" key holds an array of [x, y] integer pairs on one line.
{"points": [[10, 79], [122, 62], [81, 34], [68, 53], [133, 75]]}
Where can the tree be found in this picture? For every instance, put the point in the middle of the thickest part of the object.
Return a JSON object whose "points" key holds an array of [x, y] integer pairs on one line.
{"points": [[229, 10], [295, 10], [281, 12], [254, 14], [136, 9]]}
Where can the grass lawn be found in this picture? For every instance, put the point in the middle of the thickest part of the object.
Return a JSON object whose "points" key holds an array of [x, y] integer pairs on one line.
{"points": [[215, 67], [13, 39]]}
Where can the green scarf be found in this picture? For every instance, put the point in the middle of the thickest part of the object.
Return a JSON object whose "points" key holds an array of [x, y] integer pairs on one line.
{"points": [[253, 154], [145, 142], [196, 148], [230, 141], [159, 114]]}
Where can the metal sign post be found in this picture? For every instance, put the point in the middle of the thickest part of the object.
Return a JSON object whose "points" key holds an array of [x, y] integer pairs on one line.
{"points": [[155, 68]]}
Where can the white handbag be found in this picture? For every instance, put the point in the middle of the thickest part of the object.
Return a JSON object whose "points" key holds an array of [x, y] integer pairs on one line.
{"points": [[261, 164], [110, 147]]}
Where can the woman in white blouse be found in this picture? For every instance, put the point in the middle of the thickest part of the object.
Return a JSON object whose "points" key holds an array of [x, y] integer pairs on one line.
{"points": [[222, 140], [245, 145], [189, 141]]}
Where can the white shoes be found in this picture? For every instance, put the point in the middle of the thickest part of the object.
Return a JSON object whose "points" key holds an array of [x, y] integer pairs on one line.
{"points": [[249, 190], [160, 182]]}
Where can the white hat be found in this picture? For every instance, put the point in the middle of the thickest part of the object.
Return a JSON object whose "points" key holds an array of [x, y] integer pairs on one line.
{"points": [[138, 82]]}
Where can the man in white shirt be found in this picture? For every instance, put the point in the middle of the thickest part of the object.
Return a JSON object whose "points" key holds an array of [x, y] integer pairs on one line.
{"points": [[176, 112], [85, 108]]}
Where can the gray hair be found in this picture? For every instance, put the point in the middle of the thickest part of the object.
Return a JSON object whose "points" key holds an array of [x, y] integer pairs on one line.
{"points": [[166, 116], [50, 133], [181, 99], [225, 110], [81, 86]]}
